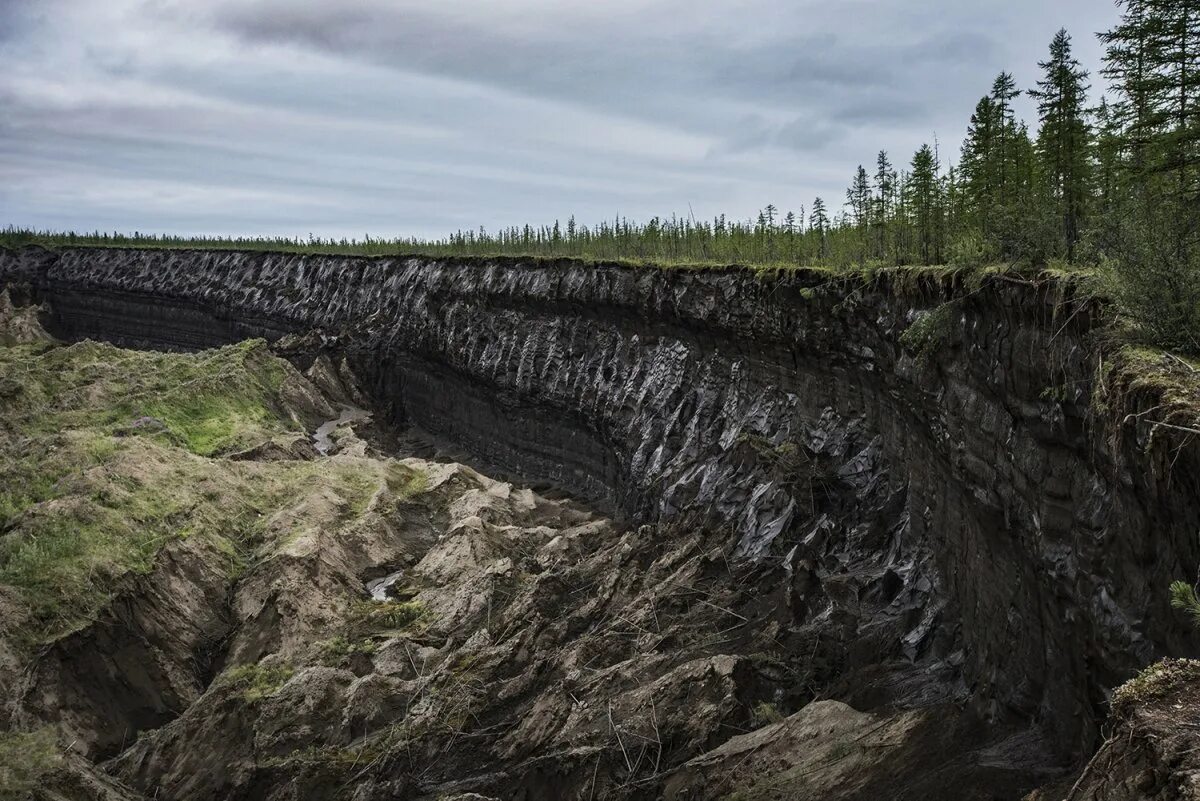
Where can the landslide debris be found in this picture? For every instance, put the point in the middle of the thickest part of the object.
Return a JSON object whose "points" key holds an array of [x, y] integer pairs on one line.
{"points": [[198, 604]]}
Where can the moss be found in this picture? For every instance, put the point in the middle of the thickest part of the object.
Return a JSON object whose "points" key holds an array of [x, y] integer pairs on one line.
{"points": [[1157, 682], [930, 332], [26, 759], [1149, 387], [256, 682]]}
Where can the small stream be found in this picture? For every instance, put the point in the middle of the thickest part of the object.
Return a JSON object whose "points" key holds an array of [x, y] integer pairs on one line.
{"points": [[321, 437], [379, 588]]}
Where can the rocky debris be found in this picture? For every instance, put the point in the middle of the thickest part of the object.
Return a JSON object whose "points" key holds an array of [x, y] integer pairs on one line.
{"points": [[535, 650]]}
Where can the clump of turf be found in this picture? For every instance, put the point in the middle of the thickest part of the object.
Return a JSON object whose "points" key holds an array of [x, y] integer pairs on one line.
{"points": [[1159, 681], [259, 681]]}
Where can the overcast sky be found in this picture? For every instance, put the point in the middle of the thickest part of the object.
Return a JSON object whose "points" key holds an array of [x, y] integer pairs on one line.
{"points": [[348, 117]]}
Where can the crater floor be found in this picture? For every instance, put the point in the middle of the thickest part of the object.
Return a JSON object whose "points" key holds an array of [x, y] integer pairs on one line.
{"points": [[219, 580]]}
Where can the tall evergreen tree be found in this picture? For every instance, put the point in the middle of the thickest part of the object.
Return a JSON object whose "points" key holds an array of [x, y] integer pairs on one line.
{"points": [[858, 198], [1063, 145], [885, 198], [1132, 49], [979, 190], [1107, 157], [924, 203], [1004, 91], [818, 222]]}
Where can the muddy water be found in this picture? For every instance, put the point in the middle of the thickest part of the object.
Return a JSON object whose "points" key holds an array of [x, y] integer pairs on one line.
{"points": [[321, 437]]}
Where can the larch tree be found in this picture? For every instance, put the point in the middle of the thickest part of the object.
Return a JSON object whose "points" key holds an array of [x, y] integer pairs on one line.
{"points": [[1064, 140], [924, 205]]}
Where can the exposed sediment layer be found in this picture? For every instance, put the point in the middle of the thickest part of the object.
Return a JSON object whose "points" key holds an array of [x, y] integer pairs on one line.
{"points": [[965, 527]]}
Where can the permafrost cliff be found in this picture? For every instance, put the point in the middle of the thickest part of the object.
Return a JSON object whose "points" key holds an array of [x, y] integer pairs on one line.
{"points": [[945, 499]]}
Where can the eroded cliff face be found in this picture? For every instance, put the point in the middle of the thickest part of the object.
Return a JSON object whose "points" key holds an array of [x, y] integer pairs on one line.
{"points": [[938, 512]]}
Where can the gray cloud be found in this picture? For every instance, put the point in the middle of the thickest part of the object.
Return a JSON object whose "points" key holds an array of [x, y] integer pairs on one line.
{"points": [[265, 116]]}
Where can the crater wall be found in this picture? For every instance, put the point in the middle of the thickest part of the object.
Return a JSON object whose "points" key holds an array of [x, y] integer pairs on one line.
{"points": [[965, 525]]}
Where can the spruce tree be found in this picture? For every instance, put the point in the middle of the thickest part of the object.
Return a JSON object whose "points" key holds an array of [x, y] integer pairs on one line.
{"points": [[924, 205], [885, 195], [818, 222], [858, 198], [1063, 145], [977, 166], [1004, 91]]}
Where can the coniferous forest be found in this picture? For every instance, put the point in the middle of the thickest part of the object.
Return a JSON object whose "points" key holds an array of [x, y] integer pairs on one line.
{"points": [[1107, 176]]}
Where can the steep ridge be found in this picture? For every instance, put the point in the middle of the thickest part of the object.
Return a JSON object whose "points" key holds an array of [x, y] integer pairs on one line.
{"points": [[955, 519]]}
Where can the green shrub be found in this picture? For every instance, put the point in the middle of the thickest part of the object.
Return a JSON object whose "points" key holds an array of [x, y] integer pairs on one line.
{"points": [[970, 250], [930, 331], [1151, 270]]}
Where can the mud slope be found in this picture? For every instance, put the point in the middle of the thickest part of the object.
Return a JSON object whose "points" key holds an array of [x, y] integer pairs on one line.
{"points": [[948, 508]]}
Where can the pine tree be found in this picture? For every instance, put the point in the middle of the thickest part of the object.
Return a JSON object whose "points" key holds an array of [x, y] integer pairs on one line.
{"points": [[1132, 48], [818, 222], [885, 196], [978, 166], [1175, 87], [1063, 146], [1107, 157], [858, 198], [924, 204], [1004, 91]]}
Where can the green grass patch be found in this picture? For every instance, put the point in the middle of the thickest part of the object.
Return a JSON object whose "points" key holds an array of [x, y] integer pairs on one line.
{"points": [[26, 759], [764, 714], [338, 651], [256, 682], [100, 467], [366, 618]]}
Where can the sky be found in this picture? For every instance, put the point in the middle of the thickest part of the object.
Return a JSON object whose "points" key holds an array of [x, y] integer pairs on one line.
{"points": [[352, 117]]}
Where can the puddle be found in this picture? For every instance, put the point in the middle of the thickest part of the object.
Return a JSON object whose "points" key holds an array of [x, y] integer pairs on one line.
{"points": [[380, 586], [320, 437]]}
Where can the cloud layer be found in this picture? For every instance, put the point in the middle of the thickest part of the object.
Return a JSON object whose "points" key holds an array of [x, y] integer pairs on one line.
{"points": [[403, 118]]}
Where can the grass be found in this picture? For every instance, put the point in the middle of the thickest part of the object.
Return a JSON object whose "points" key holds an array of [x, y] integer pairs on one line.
{"points": [[257, 682], [1152, 387], [663, 244], [106, 457], [338, 651], [366, 618], [26, 759]]}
